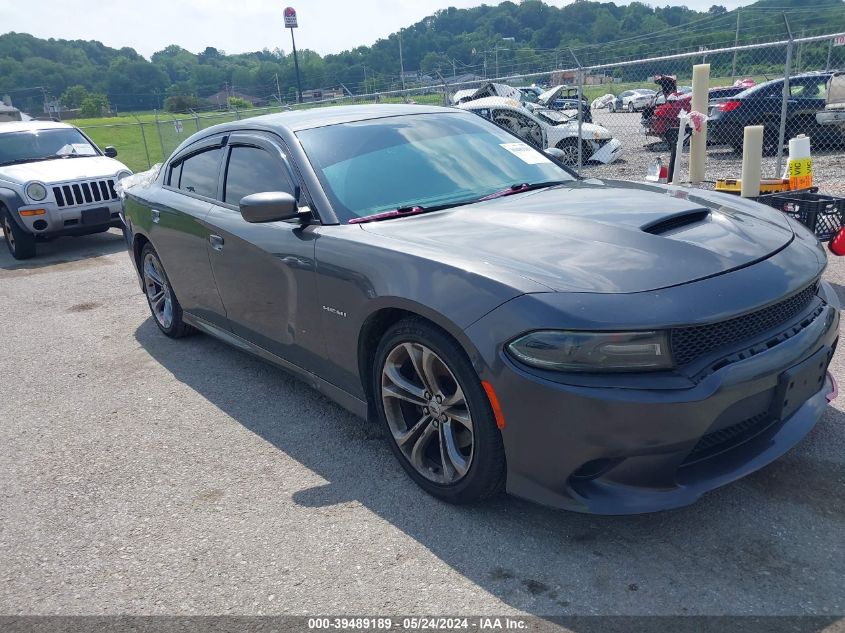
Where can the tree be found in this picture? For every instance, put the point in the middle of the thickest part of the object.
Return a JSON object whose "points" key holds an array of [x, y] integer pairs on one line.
{"points": [[180, 103], [94, 105], [239, 103], [74, 96]]}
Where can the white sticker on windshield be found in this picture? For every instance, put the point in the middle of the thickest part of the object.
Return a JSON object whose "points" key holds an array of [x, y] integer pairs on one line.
{"points": [[526, 153], [78, 149]]}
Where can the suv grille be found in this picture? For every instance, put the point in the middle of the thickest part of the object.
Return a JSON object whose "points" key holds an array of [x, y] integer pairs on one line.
{"points": [[80, 193], [688, 343]]}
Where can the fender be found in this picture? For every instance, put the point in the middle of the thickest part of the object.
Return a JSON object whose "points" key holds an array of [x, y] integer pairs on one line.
{"points": [[12, 201]]}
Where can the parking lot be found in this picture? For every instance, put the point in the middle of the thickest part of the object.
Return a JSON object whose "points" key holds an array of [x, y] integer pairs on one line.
{"points": [[142, 475]]}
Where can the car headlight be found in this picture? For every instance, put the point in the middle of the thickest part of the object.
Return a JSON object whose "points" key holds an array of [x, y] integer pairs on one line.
{"points": [[602, 136], [36, 191], [123, 174], [562, 350]]}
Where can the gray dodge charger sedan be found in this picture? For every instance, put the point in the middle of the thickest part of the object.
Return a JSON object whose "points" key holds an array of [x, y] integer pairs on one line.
{"points": [[601, 346]]}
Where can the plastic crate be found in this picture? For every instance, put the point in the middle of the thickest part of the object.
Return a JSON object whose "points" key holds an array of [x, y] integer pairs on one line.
{"points": [[820, 213]]}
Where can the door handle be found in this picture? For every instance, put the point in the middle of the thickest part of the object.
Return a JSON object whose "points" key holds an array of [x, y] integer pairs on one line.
{"points": [[156, 215], [216, 242]]}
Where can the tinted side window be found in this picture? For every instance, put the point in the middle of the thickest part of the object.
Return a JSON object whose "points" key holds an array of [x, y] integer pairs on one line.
{"points": [[252, 170], [199, 173]]}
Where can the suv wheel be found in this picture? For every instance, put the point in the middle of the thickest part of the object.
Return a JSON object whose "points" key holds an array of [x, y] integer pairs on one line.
{"points": [[21, 244], [439, 421], [630, 106]]}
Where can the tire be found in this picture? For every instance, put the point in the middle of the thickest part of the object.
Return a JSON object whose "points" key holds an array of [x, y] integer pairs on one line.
{"points": [[612, 107], [452, 451], [631, 107], [569, 147], [21, 244], [164, 306]]}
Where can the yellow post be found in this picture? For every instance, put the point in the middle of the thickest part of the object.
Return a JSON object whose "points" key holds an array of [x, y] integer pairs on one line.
{"points": [[700, 99]]}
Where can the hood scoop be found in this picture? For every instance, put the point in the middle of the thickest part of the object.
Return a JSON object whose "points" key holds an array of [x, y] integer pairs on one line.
{"points": [[676, 221]]}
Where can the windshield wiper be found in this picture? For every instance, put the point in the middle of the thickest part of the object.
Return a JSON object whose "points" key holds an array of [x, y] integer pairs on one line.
{"points": [[402, 212], [520, 187], [20, 161]]}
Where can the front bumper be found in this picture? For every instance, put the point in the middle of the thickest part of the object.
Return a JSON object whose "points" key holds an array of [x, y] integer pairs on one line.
{"points": [[607, 153], [78, 220], [642, 448]]}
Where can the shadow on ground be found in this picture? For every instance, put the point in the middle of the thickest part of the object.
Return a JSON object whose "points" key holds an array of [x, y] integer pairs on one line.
{"points": [[763, 545], [63, 251]]}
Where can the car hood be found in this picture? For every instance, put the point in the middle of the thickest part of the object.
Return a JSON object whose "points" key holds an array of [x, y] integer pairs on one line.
{"points": [[62, 170], [599, 236]]}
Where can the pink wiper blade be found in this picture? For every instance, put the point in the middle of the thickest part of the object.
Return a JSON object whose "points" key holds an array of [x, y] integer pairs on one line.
{"points": [[519, 188], [395, 213]]}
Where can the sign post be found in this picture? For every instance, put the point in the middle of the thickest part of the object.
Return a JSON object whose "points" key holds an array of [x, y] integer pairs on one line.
{"points": [[290, 23]]}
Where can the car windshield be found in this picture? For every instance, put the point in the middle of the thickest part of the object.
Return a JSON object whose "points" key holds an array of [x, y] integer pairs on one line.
{"points": [[424, 160], [34, 145]]}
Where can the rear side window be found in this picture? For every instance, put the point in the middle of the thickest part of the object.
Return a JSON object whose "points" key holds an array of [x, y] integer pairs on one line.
{"points": [[199, 173], [253, 170]]}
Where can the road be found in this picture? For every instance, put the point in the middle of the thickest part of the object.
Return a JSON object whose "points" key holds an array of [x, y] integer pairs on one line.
{"points": [[141, 475]]}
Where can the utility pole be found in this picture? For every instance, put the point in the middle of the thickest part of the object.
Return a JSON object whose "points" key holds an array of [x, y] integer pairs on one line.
{"points": [[291, 23], [736, 43], [401, 61], [278, 89]]}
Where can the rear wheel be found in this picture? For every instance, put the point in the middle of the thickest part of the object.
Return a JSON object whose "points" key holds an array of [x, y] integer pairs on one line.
{"points": [[631, 106], [440, 424], [164, 306], [21, 244]]}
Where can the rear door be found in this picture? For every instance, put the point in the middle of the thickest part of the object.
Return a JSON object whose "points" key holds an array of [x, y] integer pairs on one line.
{"points": [[180, 231], [265, 272]]}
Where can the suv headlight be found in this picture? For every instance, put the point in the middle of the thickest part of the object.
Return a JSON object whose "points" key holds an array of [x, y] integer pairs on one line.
{"points": [[123, 174], [36, 191], [562, 350]]}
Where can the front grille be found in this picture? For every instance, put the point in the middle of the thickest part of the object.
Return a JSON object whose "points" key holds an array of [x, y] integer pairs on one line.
{"points": [[719, 441], [689, 343], [87, 192]]}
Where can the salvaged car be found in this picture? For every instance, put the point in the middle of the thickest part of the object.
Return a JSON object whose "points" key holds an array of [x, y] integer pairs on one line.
{"points": [[602, 346], [487, 90], [566, 98], [54, 181], [632, 100], [544, 129], [834, 109]]}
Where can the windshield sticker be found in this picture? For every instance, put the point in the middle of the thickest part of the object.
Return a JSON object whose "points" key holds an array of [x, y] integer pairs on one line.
{"points": [[526, 153], [79, 149]]}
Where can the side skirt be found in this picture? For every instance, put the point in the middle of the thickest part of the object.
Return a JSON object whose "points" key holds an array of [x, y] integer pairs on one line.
{"points": [[349, 402]]}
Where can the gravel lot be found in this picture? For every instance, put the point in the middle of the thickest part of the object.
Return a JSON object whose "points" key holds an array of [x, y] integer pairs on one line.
{"points": [[640, 151], [140, 475]]}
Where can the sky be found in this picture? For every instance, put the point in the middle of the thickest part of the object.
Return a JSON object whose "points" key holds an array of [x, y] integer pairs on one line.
{"points": [[235, 26]]}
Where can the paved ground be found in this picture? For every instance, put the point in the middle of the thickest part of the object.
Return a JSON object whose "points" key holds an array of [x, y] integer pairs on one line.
{"points": [[146, 476]]}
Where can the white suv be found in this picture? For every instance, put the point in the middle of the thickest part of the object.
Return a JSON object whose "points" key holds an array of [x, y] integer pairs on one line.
{"points": [[54, 181]]}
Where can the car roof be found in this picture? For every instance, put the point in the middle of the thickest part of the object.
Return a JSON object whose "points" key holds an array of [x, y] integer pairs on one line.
{"points": [[320, 117], [29, 126], [490, 102]]}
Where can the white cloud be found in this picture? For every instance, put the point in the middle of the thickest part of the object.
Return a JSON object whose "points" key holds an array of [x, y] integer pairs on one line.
{"points": [[327, 26]]}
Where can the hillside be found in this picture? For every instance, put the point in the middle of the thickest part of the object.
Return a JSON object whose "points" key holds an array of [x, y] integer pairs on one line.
{"points": [[452, 41]]}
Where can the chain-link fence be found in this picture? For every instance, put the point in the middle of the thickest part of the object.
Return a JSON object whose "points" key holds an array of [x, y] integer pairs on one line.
{"points": [[632, 105]]}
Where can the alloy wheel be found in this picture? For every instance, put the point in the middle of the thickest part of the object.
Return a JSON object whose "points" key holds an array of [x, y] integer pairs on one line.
{"points": [[158, 291], [427, 413]]}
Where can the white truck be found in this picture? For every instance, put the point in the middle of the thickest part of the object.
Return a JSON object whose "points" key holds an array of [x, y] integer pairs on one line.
{"points": [[54, 181], [834, 110]]}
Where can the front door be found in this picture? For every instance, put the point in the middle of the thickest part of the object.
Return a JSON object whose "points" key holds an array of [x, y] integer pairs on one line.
{"points": [[265, 272]]}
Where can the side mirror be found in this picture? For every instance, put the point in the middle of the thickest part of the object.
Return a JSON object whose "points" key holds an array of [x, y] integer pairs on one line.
{"points": [[557, 154], [110, 151], [270, 206]]}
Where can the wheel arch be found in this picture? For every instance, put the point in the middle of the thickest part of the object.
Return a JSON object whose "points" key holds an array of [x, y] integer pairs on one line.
{"points": [[387, 313], [12, 201], [139, 240]]}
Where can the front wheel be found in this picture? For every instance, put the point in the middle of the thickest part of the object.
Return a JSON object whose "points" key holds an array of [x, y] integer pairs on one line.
{"points": [[20, 243], [164, 306], [440, 424], [569, 147], [631, 107]]}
